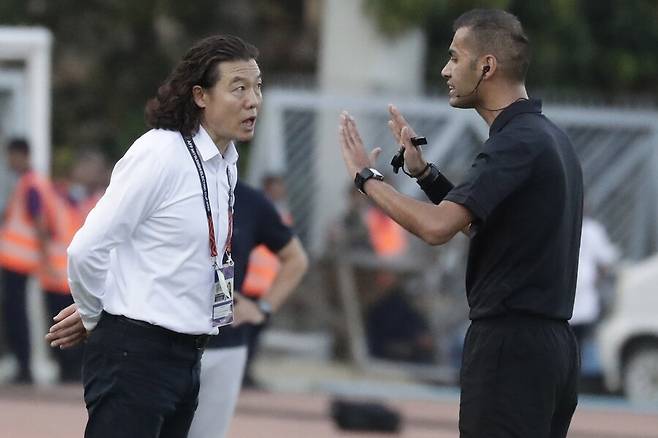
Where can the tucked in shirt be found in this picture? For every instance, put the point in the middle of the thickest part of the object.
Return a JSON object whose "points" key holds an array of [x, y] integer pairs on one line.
{"points": [[525, 190], [144, 251]]}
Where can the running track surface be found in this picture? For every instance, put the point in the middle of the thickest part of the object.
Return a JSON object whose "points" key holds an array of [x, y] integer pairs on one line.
{"points": [[58, 412]]}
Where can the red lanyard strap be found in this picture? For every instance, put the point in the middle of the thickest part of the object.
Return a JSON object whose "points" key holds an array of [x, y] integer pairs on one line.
{"points": [[191, 147]]}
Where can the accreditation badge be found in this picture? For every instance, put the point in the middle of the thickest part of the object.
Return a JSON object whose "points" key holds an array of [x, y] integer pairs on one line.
{"points": [[222, 308]]}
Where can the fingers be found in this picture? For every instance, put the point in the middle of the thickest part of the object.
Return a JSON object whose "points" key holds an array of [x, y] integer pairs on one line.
{"points": [[354, 132], [349, 130], [66, 331], [374, 155], [70, 342], [395, 131], [65, 312], [69, 321], [397, 123]]}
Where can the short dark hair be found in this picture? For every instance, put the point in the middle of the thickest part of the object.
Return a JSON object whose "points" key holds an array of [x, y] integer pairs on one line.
{"points": [[500, 33], [173, 107], [19, 145]]}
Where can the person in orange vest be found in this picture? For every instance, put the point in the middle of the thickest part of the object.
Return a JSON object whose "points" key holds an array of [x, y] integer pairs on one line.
{"points": [[89, 179], [263, 267], [35, 232], [388, 239], [87, 185]]}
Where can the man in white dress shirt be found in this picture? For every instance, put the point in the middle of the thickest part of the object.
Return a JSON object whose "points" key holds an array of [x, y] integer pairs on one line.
{"points": [[151, 270]]}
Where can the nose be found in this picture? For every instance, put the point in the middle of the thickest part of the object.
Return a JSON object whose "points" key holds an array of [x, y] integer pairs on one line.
{"points": [[253, 99], [445, 72]]}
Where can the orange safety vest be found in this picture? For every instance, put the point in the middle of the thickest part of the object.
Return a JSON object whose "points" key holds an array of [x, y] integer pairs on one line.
{"points": [[262, 268], [386, 236], [19, 244], [87, 205]]}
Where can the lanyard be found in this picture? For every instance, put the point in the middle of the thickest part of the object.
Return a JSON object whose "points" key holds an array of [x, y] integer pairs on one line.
{"points": [[191, 147]]}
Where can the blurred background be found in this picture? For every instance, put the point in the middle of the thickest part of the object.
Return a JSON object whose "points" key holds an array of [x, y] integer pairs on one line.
{"points": [[379, 316]]}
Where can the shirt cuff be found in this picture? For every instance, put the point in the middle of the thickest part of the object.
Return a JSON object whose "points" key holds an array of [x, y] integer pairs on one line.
{"points": [[468, 202], [90, 321]]}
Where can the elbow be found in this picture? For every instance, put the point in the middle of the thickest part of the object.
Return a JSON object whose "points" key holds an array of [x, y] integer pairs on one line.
{"points": [[76, 251], [435, 234]]}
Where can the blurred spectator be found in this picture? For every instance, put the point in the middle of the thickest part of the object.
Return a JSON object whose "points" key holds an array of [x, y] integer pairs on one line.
{"points": [[89, 179], [597, 254], [387, 238], [263, 267], [87, 185], [256, 222], [365, 227], [395, 329], [36, 230]]}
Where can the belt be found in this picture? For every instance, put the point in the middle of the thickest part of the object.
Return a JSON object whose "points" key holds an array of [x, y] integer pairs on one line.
{"points": [[155, 331]]}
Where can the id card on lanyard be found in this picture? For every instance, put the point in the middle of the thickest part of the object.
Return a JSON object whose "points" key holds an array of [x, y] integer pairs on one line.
{"points": [[222, 307]]}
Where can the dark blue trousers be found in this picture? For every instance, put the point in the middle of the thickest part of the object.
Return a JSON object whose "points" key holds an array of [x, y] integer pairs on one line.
{"points": [[140, 380], [14, 313]]}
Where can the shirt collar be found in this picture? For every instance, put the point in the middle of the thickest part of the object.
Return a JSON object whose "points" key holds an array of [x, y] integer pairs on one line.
{"points": [[208, 149], [516, 108]]}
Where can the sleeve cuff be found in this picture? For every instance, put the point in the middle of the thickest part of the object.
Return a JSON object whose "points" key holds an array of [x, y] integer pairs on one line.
{"points": [[90, 321], [469, 203]]}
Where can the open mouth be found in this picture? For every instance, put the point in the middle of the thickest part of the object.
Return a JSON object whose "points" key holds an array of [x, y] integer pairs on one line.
{"points": [[249, 123]]}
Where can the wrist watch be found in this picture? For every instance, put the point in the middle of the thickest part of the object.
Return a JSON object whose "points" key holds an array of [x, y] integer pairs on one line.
{"points": [[363, 176], [266, 308]]}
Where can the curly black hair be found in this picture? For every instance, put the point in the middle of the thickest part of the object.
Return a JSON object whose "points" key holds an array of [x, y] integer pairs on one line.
{"points": [[173, 107]]}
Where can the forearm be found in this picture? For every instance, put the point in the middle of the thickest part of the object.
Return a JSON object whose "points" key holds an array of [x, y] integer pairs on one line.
{"points": [[86, 274], [434, 224], [294, 264]]}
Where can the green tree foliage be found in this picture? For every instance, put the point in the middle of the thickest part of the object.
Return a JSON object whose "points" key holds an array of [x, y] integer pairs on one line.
{"points": [[605, 47], [111, 55]]}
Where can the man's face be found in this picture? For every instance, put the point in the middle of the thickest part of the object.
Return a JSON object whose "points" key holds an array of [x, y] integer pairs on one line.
{"points": [[17, 161], [461, 72], [230, 107]]}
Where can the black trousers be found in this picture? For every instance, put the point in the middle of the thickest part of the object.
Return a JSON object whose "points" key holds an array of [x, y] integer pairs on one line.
{"points": [[16, 327], [140, 380], [519, 378]]}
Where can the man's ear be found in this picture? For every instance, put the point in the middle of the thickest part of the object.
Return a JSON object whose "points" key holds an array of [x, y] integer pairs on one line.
{"points": [[199, 96], [489, 66]]}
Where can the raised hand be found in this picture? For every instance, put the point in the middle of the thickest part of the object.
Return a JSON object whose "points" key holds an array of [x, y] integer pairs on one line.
{"points": [[354, 153], [402, 132]]}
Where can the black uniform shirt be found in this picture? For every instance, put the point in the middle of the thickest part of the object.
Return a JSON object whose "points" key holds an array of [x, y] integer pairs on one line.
{"points": [[255, 221], [525, 190]]}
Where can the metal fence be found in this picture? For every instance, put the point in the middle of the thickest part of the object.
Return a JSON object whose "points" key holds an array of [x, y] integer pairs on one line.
{"points": [[618, 150]]}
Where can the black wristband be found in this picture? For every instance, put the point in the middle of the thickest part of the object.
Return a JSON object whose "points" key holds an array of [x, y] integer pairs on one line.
{"points": [[435, 185], [427, 166]]}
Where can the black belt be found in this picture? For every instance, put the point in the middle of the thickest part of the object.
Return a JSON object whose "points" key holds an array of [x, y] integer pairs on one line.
{"points": [[513, 318], [155, 331]]}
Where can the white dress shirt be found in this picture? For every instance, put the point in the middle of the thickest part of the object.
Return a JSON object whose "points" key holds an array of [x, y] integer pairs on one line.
{"points": [[144, 251], [596, 251]]}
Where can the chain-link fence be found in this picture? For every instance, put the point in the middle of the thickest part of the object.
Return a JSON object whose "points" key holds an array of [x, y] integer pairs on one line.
{"points": [[298, 137]]}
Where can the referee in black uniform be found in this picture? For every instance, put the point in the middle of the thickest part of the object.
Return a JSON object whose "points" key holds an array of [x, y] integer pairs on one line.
{"points": [[521, 204]]}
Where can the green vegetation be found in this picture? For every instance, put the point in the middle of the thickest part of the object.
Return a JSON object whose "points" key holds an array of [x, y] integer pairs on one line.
{"points": [[110, 55], [602, 47]]}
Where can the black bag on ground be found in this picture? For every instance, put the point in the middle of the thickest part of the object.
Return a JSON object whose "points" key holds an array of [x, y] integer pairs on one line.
{"points": [[374, 416]]}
